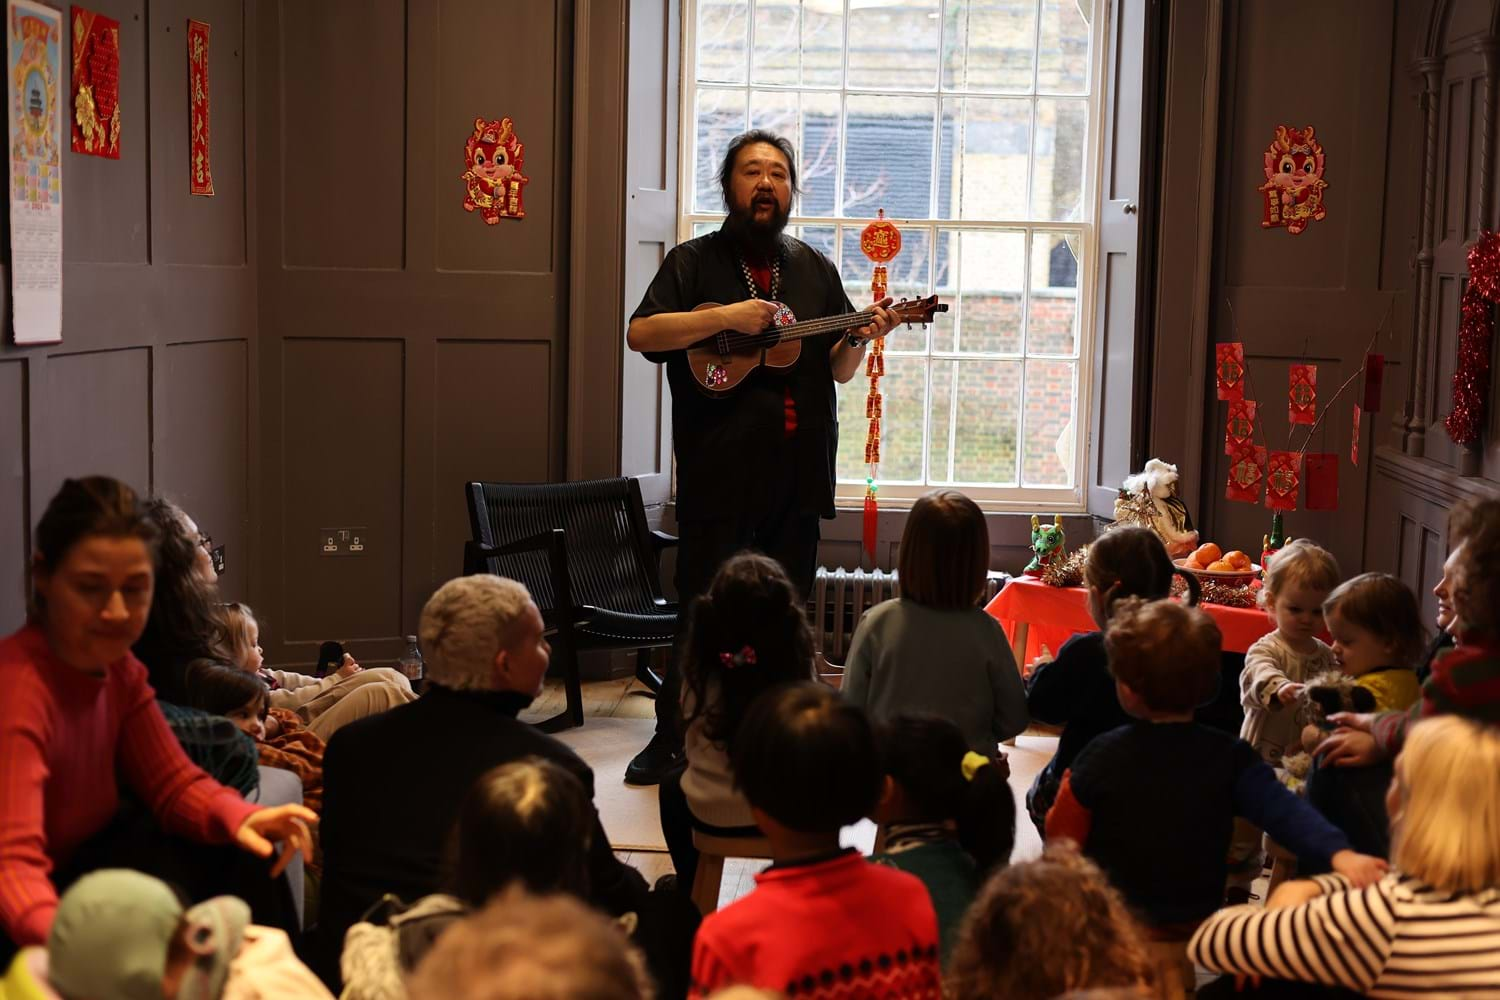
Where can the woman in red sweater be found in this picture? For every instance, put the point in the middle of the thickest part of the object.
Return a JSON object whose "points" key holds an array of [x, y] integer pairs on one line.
{"points": [[78, 718]]}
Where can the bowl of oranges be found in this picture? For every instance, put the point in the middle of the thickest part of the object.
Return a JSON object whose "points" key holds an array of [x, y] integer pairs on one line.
{"points": [[1208, 562]]}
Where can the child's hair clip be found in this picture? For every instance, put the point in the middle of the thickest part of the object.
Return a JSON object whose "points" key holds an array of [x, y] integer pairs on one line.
{"points": [[745, 657]]}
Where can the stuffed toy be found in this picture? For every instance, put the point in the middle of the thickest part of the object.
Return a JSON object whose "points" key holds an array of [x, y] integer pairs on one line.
{"points": [[1047, 544], [1328, 693], [1149, 498]]}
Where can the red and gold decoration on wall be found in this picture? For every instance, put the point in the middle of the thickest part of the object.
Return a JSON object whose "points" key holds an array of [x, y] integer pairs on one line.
{"points": [[880, 241], [1229, 370], [1283, 477], [1239, 429], [493, 180], [200, 175], [96, 84], [1293, 191], [1247, 465], [1476, 328], [1302, 394]]}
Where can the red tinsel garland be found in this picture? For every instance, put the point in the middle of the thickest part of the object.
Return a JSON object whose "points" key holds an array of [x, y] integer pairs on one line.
{"points": [[1471, 376]]}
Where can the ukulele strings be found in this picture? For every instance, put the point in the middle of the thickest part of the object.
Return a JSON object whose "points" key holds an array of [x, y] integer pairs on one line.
{"points": [[810, 328]]}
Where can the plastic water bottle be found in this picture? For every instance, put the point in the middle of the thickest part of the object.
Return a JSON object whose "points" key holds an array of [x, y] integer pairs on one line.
{"points": [[410, 663]]}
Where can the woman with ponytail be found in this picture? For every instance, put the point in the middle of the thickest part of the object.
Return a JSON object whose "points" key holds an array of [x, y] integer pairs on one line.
{"points": [[949, 815], [1075, 690], [749, 633]]}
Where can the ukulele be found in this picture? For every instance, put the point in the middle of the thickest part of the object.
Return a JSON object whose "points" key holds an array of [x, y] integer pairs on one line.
{"points": [[721, 362]]}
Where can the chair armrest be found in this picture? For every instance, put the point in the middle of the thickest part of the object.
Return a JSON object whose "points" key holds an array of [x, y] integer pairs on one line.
{"points": [[660, 541]]}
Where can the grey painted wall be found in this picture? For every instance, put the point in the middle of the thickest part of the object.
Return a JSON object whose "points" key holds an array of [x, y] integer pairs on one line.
{"points": [[156, 379]]}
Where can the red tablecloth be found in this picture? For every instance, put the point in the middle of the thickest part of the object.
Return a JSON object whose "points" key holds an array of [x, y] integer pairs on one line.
{"points": [[1054, 614]]}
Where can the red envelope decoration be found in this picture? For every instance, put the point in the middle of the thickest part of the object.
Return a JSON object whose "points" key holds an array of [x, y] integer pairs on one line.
{"points": [[200, 170], [1283, 477], [1374, 377], [1246, 474], [1239, 429], [1354, 439], [1302, 394], [96, 84], [1229, 370], [1322, 475]]}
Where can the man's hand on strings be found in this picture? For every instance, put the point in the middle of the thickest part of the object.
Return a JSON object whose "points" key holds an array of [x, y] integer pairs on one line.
{"points": [[749, 316], [885, 321]]}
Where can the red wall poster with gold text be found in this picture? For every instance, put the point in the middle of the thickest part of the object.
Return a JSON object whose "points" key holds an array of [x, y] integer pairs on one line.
{"points": [[96, 84], [33, 50], [201, 174]]}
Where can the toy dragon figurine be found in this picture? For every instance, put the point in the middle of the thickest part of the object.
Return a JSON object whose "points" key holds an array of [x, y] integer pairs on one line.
{"points": [[1047, 544]]}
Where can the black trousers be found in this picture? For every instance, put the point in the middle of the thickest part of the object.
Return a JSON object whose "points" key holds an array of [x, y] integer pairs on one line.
{"points": [[1353, 799], [783, 533]]}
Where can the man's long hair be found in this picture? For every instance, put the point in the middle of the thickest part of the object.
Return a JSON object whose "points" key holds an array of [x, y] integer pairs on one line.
{"points": [[750, 138]]}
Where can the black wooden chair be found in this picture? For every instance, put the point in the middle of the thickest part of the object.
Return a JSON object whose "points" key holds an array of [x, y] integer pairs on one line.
{"points": [[585, 552]]}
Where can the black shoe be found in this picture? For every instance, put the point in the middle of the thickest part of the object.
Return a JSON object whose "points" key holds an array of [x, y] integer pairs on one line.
{"points": [[667, 883], [654, 763]]}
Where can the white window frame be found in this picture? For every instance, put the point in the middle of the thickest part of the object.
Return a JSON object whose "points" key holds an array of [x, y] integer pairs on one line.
{"points": [[898, 494]]}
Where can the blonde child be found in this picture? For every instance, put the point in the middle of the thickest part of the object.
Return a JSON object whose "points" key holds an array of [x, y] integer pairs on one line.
{"points": [[324, 704], [1378, 637], [934, 649]]}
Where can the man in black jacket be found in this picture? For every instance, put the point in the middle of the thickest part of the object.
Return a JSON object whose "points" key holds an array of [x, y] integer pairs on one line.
{"points": [[393, 783]]}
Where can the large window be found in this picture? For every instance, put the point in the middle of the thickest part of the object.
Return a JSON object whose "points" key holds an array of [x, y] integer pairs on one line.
{"points": [[972, 123]]}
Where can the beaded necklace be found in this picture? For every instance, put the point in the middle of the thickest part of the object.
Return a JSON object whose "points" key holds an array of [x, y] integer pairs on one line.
{"points": [[750, 278]]}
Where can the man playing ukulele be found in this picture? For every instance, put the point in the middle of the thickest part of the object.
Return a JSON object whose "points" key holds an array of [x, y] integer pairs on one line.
{"points": [[755, 468]]}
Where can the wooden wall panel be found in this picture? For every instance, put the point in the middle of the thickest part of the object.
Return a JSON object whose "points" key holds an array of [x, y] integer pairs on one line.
{"points": [[494, 61], [203, 443], [345, 203], [344, 463], [107, 210], [97, 408], [14, 524], [194, 229], [491, 414]]}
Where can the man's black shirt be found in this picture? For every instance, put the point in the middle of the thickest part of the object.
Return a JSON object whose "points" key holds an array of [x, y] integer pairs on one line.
{"points": [[729, 448]]}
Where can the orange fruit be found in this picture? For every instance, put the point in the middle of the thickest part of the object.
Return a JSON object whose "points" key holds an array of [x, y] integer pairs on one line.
{"points": [[1207, 552], [1222, 566], [1237, 559]]}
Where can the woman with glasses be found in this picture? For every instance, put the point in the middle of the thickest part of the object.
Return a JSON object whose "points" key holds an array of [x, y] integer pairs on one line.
{"points": [[79, 721]]}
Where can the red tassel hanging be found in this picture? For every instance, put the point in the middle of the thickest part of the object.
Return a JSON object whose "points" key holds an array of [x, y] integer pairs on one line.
{"points": [[1322, 474], [872, 520]]}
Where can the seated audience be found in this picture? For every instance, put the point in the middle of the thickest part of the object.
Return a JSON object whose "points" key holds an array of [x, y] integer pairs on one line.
{"points": [[1377, 637], [523, 947], [393, 784], [324, 704], [1044, 927], [1448, 625], [948, 813], [934, 649], [78, 723], [1431, 926], [1354, 763], [281, 739], [747, 634], [1278, 667], [1075, 690], [120, 933], [820, 916], [1154, 802]]}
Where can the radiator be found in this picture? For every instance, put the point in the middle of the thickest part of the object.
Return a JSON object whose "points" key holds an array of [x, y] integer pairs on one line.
{"points": [[841, 597]]}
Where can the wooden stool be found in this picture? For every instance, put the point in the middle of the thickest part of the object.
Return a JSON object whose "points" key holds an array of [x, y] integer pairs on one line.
{"points": [[1283, 865], [712, 851]]}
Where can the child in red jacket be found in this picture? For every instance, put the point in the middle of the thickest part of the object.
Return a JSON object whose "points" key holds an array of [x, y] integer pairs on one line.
{"points": [[822, 921]]}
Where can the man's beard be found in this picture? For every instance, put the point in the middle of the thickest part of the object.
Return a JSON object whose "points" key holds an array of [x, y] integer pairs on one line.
{"points": [[758, 239]]}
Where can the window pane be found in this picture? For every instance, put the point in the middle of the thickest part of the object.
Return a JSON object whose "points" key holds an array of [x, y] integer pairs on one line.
{"points": [[822, 43], [988, 45], [1052, 317], [984, 439], [985, 146], [888, 156], [1057, 184], [893, 44], [992, 276], [821, 238], [904, 392], [720, 116], [811, 121], [704, 228], [1063, 62], [906, 278], [778, 35], [1049, 424], [945, 284], [722, 37]]}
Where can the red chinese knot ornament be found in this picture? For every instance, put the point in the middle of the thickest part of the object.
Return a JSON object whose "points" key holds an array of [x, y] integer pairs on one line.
{"points": [[880, 241]]}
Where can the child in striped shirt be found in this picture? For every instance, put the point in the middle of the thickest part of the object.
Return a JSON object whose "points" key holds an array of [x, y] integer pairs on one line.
{"points": [[1430, 926]]}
